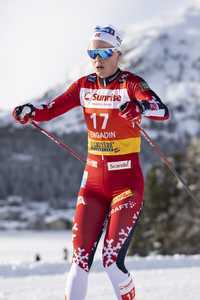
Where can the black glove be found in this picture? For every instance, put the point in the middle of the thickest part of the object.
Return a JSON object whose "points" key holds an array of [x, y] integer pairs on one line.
{"points": [[24, 113], [131, 111]]}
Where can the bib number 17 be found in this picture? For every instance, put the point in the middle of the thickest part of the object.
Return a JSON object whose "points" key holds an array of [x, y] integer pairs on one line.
{"points": [[105, 117]]}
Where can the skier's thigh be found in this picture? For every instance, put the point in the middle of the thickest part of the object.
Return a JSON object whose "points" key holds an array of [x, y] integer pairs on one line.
{"points": [[91, 212]]}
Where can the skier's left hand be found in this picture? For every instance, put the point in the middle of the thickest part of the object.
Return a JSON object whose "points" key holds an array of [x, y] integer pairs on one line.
{"points": [[130, 111], [24, 113]]}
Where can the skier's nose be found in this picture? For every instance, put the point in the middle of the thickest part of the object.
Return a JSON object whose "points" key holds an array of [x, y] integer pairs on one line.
{"points": [[98, 58]]}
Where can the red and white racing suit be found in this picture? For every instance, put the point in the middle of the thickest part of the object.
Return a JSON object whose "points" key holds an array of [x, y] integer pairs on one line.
{"points": [[112, 185]]}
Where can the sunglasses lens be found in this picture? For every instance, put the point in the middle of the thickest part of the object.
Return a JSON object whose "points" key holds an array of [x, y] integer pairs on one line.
{"points": [[103, 53], [92, 53], [106, 53]]}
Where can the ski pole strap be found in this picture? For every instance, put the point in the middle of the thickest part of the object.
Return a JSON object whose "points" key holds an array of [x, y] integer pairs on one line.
{"points": [[164, 159], [58, 142]]}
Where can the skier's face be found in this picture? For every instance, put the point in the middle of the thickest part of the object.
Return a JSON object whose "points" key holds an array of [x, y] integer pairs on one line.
{"points": [[104, 67]]}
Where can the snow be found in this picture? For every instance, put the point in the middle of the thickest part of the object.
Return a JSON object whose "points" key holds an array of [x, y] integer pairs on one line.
{"points": [[173, 284], [156, 277], [17, 247], [17, 213]]}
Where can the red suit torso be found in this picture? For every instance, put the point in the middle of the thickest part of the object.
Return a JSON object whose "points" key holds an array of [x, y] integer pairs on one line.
{"points": [[108, 133]]}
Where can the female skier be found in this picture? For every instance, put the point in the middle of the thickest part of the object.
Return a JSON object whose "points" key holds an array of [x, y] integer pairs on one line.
{"points": [[112, 186]]}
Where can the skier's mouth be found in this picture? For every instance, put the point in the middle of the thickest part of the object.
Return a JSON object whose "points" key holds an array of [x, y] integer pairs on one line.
{"points": [[100, 67]]}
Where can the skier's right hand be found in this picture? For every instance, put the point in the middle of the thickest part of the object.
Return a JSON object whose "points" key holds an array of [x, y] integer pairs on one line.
{"points": [[131, 111], [24, 113]]}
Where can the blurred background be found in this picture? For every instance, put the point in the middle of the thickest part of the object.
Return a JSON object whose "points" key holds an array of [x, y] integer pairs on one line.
{"points": [[43, 49]]}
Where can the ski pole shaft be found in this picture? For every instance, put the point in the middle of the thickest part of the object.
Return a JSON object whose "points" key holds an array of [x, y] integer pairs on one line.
{"points": [[58, 142], [164, 159]]}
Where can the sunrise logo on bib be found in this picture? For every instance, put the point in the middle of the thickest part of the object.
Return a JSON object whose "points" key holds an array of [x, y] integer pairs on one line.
{"points": [[103, 98]]}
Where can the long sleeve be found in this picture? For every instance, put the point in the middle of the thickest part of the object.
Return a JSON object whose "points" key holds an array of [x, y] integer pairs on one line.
{"points": [[153, 107], [59, 105]]}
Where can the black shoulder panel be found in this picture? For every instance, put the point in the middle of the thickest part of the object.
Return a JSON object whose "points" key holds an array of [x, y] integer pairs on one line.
{"points": [[92, 78]]}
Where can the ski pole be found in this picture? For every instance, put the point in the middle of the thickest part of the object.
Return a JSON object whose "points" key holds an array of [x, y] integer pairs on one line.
{"points": [[164, 159], [58, 142]]}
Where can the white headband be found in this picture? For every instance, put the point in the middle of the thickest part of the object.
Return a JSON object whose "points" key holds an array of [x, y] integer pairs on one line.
{"points": [[108, 34]]}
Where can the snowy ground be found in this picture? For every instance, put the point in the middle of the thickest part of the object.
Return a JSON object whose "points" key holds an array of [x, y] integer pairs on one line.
{"points": [[156, 277]]}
